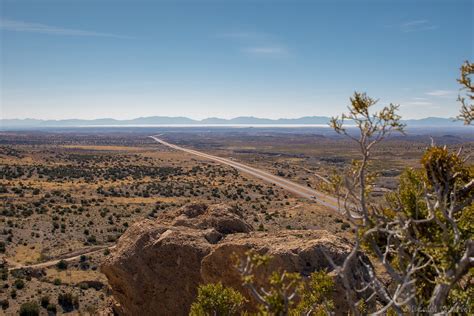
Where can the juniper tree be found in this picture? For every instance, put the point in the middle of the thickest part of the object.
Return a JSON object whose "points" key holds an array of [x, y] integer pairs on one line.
{"points": [[421, 236]]}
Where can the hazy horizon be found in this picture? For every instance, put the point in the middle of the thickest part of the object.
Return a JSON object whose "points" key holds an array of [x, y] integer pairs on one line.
{"points": [[206, 118]]}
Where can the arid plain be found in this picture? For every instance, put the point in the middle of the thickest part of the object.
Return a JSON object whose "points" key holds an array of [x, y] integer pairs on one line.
{"points": [[66, 197]]}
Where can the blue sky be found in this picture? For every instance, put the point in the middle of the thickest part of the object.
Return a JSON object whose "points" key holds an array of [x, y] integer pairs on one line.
{"points": [[126, 59]]}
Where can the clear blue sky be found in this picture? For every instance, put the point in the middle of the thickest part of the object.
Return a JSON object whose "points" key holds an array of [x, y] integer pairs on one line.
{"points": [[125, 59]]}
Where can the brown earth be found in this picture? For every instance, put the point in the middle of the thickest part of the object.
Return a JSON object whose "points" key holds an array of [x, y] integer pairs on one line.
{"points": [[158, 264]]}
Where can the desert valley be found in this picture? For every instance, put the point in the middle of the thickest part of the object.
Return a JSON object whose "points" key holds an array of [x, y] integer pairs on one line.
{"points": [[68, 197]]}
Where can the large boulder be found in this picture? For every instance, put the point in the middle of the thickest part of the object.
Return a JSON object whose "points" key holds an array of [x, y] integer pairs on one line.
{"points": [[157, 265]]}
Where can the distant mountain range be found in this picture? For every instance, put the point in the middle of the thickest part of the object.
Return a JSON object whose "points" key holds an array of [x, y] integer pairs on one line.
{"points": [[165, 120]]}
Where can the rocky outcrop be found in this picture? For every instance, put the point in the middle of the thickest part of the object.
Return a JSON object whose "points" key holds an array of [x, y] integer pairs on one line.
{"points": [[158, 264]]}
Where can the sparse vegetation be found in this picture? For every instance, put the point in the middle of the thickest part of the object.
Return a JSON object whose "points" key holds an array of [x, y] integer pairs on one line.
{"points": [[68, 301], [215, 299], [282, 293], [29, 309], [51, 210]]}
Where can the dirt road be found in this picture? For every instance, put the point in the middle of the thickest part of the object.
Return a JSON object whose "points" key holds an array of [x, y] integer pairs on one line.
{"points": [[75, 256]]}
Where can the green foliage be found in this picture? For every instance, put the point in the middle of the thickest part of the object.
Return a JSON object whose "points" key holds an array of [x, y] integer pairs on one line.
{"points": [[3, 273], [285, 293], [29, 309], [316, 295], [280, 293], [423, 237], [439, 242], [216, 299], [443, 168], [371, 125], [62, 265], [19, 284], [68, 301], [467, 108], [44, 301], [409, 194], [4, 304], [51, 308]]}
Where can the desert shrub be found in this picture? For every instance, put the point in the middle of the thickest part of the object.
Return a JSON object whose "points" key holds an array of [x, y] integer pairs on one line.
{"points": [[282, 293], [68, 301], [29, 309], [5, 304], [44, 301], [216, 299], [285, 293], [92, 239], [3, 273], [62, 265], [19, 284], [316, 295], [51, 308], [83, 286]]}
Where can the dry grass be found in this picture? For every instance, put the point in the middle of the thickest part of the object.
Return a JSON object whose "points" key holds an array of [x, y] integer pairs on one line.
{"points": [[74, 276], [140, 200], [104, 148], [26, 254]]}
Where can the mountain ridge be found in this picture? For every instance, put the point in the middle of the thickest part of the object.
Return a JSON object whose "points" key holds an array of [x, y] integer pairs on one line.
{"points": [[181, 120]]}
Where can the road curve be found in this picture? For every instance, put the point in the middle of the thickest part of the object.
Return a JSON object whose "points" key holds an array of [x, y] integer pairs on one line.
{"points": [[295, 188]]}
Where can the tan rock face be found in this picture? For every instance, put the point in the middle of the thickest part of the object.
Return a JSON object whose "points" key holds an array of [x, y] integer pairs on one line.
{"points": [[158, 265]]}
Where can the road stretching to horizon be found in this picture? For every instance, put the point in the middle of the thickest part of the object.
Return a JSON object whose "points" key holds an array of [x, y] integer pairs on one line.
{"points": [[293, 187]]}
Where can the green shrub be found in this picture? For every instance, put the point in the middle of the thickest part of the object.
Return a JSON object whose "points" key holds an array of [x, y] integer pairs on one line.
{"points": [[5, 304], [68, 301], [3, 273], [19, 284], [44, 301], [29, 309], [62, 265], [51, 308], [316, 295], [215, 299]]}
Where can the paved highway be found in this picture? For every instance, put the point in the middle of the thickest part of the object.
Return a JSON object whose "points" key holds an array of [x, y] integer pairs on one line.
{"points": [[295, 188]]}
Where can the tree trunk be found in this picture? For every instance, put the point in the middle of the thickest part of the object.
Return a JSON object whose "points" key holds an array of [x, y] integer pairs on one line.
{"points": [[438, 298]]}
